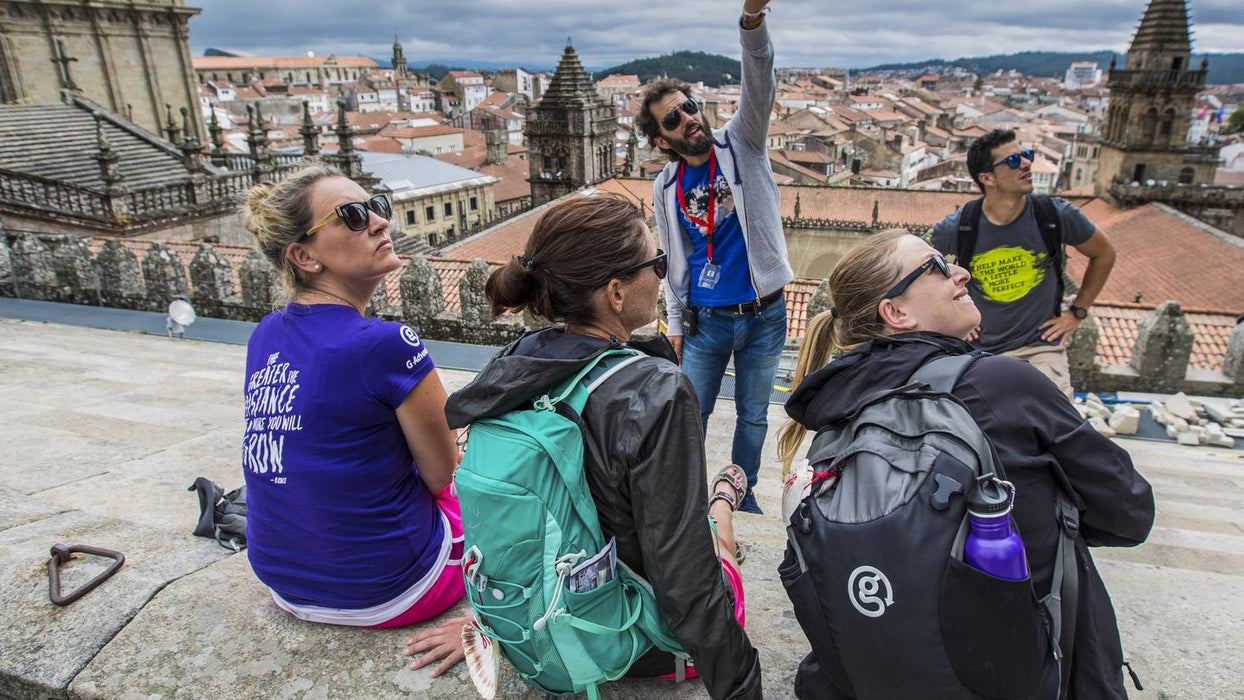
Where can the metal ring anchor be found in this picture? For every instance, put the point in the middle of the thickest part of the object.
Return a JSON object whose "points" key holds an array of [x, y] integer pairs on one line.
{"points": [[60, 555]]}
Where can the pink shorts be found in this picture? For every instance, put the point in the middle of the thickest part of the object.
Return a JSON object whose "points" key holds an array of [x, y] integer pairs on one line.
{"points": [[450, 586], [731, 573]]}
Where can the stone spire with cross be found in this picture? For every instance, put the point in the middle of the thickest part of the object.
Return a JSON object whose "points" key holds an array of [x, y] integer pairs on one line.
{"points": [[257, 140], [218, 142], [346, 159], [309, 131], [191, 149], [569, 134]]}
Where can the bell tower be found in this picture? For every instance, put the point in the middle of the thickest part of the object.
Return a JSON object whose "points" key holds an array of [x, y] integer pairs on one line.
{"points": [[570, 134], [1152, 98]]}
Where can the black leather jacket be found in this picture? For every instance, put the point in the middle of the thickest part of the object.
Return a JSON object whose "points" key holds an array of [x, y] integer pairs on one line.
{"points": [[645, 465]]}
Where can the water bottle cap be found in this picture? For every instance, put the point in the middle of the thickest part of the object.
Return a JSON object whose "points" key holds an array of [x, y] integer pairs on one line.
{"points": [[991, 498]]}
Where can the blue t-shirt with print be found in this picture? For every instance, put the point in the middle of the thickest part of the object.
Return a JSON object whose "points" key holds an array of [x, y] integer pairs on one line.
{"points": [[734, 285], [337, 514]]}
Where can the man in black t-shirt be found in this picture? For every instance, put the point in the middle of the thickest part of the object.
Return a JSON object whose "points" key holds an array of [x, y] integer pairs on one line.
{"points": [[1014, 278]]}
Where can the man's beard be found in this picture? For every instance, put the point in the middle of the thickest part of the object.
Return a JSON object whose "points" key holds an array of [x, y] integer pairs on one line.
{"points": [[698, 145]]}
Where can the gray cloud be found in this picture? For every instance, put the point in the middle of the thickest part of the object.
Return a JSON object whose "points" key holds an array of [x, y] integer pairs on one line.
{"points": [[805, 32]]}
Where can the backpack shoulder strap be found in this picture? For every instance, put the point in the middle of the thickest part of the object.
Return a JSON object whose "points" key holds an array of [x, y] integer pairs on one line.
{"points": [[1051, 229], [965, 241], [1063, 601], [942, 373], [595, 373]]}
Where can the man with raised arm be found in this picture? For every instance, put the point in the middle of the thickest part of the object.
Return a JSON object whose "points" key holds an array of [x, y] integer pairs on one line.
{"points": [[718, 217]]}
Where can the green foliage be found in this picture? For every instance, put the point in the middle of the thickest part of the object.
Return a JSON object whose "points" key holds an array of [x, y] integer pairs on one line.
{"points": [[1235, 122], [688, 66], [1224, 68]]}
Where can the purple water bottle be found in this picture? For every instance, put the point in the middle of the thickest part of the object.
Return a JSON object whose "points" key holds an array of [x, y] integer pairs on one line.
{"points": [[992, 544]]}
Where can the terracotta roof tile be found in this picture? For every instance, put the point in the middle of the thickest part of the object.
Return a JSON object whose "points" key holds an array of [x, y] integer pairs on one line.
{"points": [[1162, 255], [1118, 328]]}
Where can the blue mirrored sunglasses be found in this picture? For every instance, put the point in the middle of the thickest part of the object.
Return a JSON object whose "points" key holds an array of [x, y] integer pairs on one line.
{"points": [[1012, 161]]}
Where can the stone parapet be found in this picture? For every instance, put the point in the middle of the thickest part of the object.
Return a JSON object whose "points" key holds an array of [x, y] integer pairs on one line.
{"points": [[439, 305], [61, 268]]}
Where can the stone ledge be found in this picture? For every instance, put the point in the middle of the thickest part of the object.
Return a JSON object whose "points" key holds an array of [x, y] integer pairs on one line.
{"points": [[47, 645]]}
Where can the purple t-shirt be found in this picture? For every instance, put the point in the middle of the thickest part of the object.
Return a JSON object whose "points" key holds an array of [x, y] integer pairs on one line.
{"points": [[337, 514]]}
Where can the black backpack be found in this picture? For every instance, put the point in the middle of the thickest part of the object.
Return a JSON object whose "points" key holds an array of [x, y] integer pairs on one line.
{"points": [[222, 516], [1048, 223], [874, 559]]}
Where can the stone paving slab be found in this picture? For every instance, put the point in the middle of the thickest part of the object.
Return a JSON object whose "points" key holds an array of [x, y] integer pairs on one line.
{"points": [[1181, 628], [17, 509], [47, 645]]}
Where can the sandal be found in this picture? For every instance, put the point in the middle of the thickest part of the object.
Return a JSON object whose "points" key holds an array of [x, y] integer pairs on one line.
{"points": [[734, 476]]}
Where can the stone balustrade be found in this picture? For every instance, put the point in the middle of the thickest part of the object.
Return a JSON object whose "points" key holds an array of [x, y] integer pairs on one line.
{"points": [[122, 208], [62, 268]]}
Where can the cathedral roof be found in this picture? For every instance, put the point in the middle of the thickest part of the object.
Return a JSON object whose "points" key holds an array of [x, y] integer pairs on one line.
{"points": [[56, 141], [571, 85], [1163, 28]]}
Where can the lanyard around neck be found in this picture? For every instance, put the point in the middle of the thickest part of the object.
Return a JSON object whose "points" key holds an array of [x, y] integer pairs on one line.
{"points": [[712, 199]]}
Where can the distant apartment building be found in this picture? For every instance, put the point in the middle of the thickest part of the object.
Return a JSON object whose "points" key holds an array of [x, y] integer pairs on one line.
{"points": [[518, 81], [468, 85], [1082, 74], [421, 100], [319, 71], [432, 200], [428, 139], [616, 88]]}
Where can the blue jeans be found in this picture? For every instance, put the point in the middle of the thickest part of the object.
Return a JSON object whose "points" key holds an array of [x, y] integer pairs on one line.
{"points": [[756, 342]]}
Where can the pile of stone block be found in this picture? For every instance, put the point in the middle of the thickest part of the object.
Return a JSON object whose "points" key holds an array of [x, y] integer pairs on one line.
{"points": [[1123, 419], [1192, 422], [1189, 421]]}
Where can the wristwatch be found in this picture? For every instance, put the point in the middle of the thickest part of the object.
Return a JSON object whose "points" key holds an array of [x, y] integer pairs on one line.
{"points": [[1078, 311]]}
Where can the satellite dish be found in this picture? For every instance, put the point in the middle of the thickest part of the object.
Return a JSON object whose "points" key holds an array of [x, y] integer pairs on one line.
{"points": [[180, 315]]}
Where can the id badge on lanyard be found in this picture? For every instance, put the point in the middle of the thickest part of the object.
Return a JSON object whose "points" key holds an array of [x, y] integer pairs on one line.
{"points": [[710, 274]]}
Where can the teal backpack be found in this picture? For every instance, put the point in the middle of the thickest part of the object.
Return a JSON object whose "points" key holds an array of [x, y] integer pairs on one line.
{"points": [[529, 520]]}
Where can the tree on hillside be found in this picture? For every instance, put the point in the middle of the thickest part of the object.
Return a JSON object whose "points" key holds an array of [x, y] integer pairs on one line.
{"points": [[1235, 122]]}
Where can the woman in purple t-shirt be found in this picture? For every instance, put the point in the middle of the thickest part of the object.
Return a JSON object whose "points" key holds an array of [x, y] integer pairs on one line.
{"points": [[347, 455]]}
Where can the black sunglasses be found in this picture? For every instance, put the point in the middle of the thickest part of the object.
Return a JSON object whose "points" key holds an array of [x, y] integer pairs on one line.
{"points": [[672, 118], [936, 261], [356, 215], [659, 265], [1012, 161]]}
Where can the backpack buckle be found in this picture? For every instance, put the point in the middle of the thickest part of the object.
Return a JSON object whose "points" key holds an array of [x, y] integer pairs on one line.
{"points": [[1069, 518], [471, 562]]}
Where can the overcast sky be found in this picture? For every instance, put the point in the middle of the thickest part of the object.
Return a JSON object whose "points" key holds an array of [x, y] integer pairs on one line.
{"points": [[852, 33]]}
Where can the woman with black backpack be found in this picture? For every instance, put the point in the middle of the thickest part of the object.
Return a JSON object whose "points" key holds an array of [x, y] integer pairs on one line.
{"points": [[898, 305]]}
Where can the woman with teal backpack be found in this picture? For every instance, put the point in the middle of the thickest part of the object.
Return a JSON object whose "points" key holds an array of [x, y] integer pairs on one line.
{"points": [[592, 264]]}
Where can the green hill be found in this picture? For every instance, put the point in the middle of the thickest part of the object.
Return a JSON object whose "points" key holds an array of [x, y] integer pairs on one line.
{"points": [[689, 66], [1224, 68]]}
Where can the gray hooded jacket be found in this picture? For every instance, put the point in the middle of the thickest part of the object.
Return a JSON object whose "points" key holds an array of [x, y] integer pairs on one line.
{"points": [[743, 158], [645, 467]]}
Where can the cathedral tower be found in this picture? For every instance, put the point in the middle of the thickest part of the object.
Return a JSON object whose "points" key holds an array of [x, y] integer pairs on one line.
{"points": [[1152, 98], [570, 134], [131, 58], [399, 60]]}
